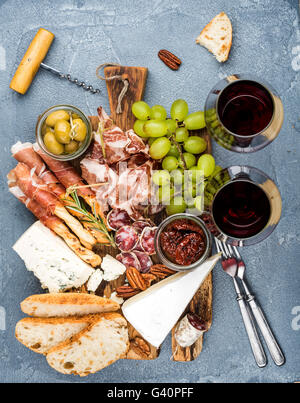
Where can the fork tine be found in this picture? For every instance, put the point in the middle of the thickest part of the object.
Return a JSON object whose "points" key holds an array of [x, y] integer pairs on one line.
{"points": [[230, 250], [237, 254], [225, 247]]}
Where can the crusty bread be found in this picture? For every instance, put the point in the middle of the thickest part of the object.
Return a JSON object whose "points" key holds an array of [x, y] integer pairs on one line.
{"points": [[42, 334], [94, 348], [217, 37], [68, 304]]}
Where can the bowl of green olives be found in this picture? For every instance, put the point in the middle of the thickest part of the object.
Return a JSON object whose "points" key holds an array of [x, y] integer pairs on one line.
{"points": [[64, 132]]}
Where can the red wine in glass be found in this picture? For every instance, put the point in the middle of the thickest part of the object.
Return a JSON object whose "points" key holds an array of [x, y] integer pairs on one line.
{"points": [[245, 107], [241, 209]]}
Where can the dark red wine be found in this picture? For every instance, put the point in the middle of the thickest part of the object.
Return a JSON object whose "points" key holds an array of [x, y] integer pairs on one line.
{"points": [[245, 108], [241, 209]]}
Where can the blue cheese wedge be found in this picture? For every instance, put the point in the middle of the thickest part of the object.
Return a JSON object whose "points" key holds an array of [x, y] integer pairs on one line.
{"points": [[112, 268], [154, 312], [51, 260]]}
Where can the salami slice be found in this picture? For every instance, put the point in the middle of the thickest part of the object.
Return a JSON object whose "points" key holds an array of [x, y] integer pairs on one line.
{"points": [[140, 225], [126, 238], [129, 259], [147, 240], [118, 218], [145, 261]]}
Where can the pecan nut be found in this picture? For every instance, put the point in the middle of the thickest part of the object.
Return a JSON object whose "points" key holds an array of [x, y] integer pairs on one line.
{"points": [[135, 279], [170, 60], [148, 277], [140, 347], [126, 291], [161, 271]]}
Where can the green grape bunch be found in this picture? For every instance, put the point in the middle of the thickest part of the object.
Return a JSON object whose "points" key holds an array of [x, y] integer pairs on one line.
{"points": [[171, 140]]}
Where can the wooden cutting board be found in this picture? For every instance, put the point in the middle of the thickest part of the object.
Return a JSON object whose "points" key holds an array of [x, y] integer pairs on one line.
{"points": [[202, 301]]}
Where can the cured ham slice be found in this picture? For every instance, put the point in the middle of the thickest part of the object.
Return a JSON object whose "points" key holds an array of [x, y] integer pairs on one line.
{"points": [[54, 223], [129, 259], [25, 153], [147, 240], [117, 219], [34, 188], [126, 238]]}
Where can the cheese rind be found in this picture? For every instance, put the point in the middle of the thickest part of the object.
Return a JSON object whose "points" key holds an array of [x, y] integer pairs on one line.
{"points": [[51, 260], [154, 312]]}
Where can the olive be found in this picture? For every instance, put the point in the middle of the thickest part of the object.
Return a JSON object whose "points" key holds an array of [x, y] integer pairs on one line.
{"points": [[71, 147], [52, 144], [62, 130], [55, 116], [79, 130], [75, 116]]}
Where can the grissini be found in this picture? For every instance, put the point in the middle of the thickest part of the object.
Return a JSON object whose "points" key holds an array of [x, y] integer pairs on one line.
{"points": [[24, 153], [34, 188], [54, 223]]}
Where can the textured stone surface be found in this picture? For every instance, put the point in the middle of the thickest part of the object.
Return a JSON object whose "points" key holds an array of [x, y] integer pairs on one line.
{"points": [[266, 42]]}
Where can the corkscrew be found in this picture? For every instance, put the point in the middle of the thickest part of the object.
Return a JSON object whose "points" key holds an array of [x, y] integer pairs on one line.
{"points": [[68, 77], [33, 59]]}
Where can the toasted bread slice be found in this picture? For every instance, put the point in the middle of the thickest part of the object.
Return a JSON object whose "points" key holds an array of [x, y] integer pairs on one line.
{"points": [[42, 334], [94, 348], [69, 304], [217, 37]]}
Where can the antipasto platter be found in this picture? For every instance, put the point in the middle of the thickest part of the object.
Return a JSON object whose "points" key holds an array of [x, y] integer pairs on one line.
{"points": [[124, 201]]}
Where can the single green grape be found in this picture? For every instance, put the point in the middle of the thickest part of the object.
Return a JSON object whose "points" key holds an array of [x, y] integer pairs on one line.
{"points": [[195, 121], [174, 151], [195, 145], [181, 135], [176, 206], [190, 160], [177, 176], [155, 128], [179, 110], [138, 128], [170, 163], [161, 178], [216, 171], [165, 194], [158, 112], [207, 164], [172, 125], [141, 110], [160, 148]]}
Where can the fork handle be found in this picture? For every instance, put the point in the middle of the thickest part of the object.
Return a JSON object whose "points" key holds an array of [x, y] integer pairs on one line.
{"points": [[266, 331], [256, 346]]}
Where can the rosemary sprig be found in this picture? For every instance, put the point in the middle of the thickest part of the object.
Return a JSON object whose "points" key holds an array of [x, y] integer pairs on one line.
{"points": [[93, 218]]}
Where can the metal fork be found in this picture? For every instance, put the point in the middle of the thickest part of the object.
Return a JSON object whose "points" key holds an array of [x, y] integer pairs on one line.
{"points": [[257, 312], [230, 266]]}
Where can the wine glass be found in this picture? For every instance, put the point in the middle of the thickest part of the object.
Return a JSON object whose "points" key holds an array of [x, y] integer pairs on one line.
{"points": [[243, 113], [244, 203]]}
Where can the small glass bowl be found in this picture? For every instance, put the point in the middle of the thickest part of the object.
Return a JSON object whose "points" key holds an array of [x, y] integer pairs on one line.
{"points": [[161, 254], [68, 108]]}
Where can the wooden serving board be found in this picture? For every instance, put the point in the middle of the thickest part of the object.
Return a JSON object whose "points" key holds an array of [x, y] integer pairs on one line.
{"points": [[202, 301]]}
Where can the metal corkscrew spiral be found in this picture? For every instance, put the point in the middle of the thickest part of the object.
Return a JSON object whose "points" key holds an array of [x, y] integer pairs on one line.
{"points": [[68, 77]]}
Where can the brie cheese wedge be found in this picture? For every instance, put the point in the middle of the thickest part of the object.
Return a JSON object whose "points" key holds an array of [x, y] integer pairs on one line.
{"points": [[154, 312], [50, 259]]}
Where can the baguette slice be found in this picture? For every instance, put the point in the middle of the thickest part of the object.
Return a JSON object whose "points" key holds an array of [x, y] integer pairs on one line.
{"points": [[69, 304], [93, 349], [42, 334], [217, 37]]}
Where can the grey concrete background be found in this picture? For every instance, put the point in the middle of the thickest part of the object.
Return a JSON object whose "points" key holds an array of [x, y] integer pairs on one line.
{"points": [[267, 43]]}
